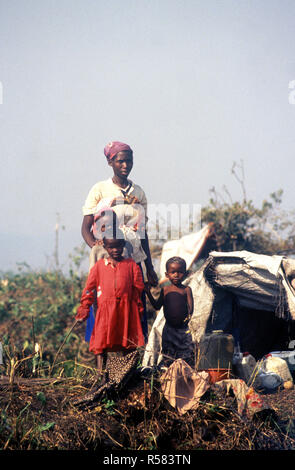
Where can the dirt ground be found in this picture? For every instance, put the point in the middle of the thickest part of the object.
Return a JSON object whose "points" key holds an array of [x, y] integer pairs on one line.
{"points": [[39, 415]]}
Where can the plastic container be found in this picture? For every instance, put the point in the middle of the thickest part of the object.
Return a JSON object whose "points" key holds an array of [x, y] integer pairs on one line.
{"points": [[244, 367], [216, 351], [268, 380], [278, 366], [237, 355], [288, 356]]}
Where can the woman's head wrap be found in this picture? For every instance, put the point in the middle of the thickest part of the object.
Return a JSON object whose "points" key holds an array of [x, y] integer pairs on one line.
{"points": [[113, 148]]}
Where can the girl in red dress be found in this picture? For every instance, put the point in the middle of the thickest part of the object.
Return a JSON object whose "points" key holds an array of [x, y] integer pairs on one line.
{"points": [[118, 283]]}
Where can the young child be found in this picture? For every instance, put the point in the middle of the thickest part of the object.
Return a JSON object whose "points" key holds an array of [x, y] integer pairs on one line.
{"points": [[178, 305], [118, 284]]}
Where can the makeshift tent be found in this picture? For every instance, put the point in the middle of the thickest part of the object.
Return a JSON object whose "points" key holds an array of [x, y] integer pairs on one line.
{"points": [[189, 247], [246, 294]]}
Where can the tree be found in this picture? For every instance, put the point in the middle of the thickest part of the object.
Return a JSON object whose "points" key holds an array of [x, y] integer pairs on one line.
{"points": [[242, 226]]}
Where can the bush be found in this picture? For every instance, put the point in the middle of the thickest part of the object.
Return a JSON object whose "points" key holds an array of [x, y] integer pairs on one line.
{"points": [[39, 307]]}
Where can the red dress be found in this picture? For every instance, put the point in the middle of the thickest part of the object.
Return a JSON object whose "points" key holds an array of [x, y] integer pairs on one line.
{"points": [[117, 321]]}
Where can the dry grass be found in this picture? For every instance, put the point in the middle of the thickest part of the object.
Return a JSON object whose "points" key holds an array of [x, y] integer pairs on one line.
{"points": [[39, 414]]}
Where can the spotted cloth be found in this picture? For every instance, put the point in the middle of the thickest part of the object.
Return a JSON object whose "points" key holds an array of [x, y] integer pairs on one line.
{"points": [[120, 370]]}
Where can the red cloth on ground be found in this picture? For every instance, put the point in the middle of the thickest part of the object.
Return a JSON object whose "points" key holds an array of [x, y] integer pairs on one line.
{"points": [[117, 322]]}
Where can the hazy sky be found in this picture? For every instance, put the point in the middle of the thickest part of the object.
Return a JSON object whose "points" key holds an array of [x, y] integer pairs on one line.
{"points": [[191, 85]]}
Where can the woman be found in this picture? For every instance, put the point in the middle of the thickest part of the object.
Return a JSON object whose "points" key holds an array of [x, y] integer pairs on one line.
{"points": [[127, 200]]}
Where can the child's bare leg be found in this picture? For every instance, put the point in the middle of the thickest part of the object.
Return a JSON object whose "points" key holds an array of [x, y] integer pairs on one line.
{"points": [[101, 363], [101, 360]]}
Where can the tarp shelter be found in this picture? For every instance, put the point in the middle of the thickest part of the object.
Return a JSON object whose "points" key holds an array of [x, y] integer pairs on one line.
{"points": [[242, 293], [189, 247]]}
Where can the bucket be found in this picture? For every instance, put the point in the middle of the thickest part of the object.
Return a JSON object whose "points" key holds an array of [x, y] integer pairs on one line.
{"points": [[215, 351]]}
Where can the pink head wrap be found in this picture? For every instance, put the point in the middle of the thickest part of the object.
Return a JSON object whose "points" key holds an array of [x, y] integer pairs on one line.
{"points": [[113, 148]]}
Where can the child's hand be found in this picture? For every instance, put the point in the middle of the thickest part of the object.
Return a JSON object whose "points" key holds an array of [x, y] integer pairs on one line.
{"points": [[80, 320], [146, 287]]}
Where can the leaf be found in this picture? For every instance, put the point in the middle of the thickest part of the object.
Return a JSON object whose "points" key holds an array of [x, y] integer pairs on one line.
{"points": [[46, 426], [41, 397], [26, 345]]}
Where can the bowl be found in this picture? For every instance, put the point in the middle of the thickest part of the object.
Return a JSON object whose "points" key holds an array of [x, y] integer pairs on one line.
{"points": [[215, 375]]}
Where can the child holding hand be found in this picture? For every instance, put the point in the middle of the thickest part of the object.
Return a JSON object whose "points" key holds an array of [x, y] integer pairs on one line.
{"points": [[178, 305], [118, 284]]}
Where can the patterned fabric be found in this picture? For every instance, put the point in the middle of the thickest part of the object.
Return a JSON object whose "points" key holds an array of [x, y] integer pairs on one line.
{"points": [[249, 402], [120, 369]]}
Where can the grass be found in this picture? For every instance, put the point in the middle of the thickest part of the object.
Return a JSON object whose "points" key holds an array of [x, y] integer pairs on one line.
{"points": [[38, 386]]}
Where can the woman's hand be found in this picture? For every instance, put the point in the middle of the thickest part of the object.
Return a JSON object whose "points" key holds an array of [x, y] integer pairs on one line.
{"points": [[152, 277]]}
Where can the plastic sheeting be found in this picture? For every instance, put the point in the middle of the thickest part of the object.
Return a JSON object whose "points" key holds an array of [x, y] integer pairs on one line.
{"points": [[256, 283], [188, 247]]}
